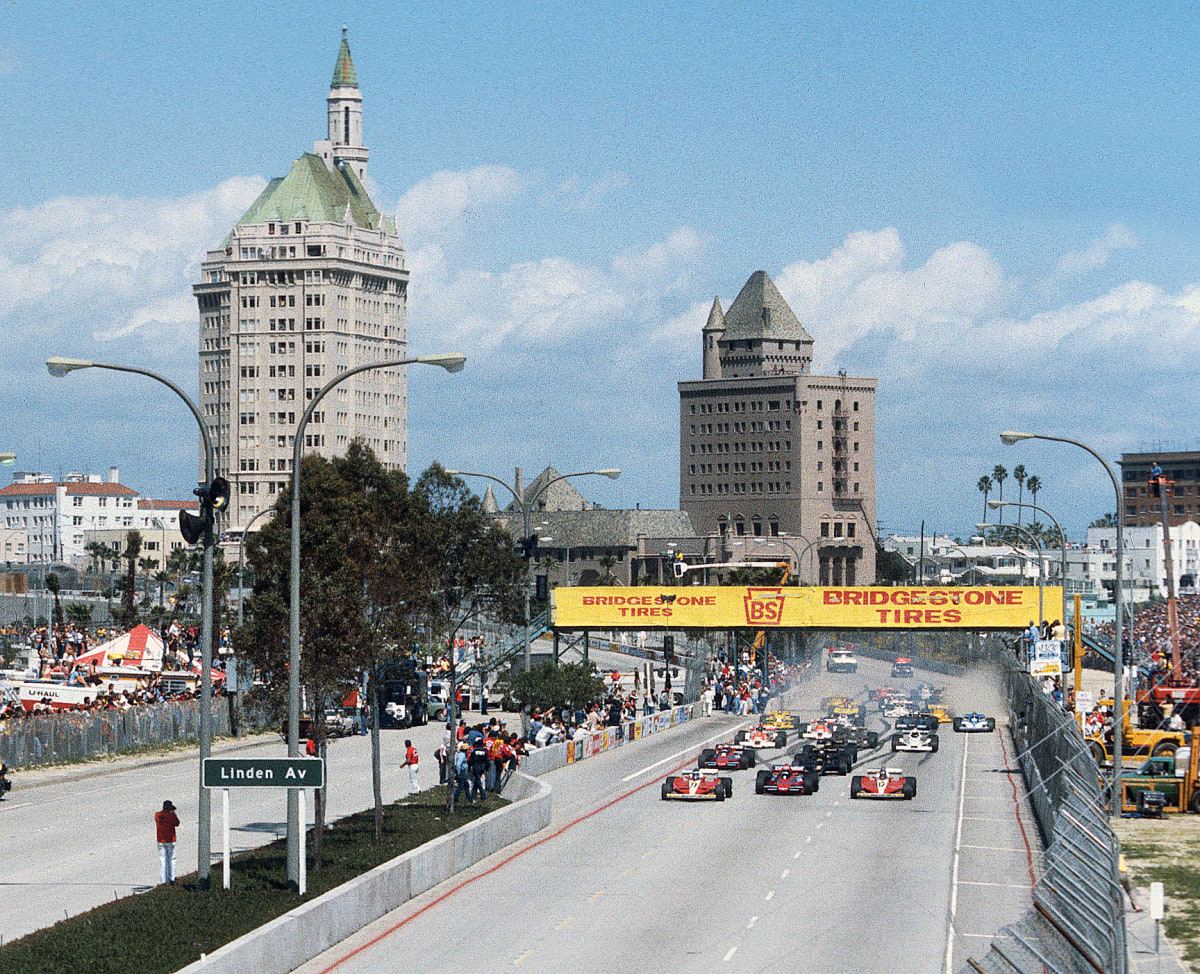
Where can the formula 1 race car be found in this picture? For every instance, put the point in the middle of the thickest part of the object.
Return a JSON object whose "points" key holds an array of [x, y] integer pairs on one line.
{"points": [[972, 722], [761, 736], [786, 779], [921, 721], [940, 711], [883, 783], [902, 667], [781, 720], [822, 729], [860, 737], [897, 707], [844, 707], [880, 693], [928, 693], [697, 785], [915, 740], [728, 757], [827, 757]]}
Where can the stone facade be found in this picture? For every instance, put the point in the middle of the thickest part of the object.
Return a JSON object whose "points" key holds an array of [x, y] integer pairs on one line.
{"points": [[768, 450], [311, 282]]}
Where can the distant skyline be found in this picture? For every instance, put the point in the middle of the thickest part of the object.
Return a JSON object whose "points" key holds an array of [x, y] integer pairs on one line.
{"points": [[991, 210]]}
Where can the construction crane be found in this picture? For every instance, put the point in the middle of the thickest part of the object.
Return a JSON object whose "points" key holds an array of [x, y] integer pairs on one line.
{"points": [[1162, 488]]}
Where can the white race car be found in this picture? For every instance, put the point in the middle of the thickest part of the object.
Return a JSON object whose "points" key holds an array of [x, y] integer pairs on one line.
{"points": [[915, 740], [972, 722], [761, 736]]}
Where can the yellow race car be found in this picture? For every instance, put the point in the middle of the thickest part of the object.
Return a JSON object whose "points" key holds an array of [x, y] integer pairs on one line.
{"points": [[781, 720], [844, 707], [941, 712]]}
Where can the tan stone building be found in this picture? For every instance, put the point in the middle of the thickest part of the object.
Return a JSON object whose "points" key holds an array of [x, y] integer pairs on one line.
{"points": [[768, 450], [311, 282]]}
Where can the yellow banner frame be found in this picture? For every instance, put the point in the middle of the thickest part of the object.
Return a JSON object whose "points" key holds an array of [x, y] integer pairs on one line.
{"points": [[766, 607]]}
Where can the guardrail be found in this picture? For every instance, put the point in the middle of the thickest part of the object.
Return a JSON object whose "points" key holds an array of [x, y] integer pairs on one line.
{"points": [[1077, 923]]}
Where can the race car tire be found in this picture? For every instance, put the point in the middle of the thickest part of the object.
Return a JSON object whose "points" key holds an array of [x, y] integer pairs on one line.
{"points": [[855, 785], [910, 788], [812, 782], [991, 724], [707, 755], [719, 793], [872, 740], [728, 783], [739, 737], [761, 779], [666, 790], [1164, 748], [752, 759], [843, 768], [801, 728], [781, 739], [895, 742], [956, 723], [933, 743]]}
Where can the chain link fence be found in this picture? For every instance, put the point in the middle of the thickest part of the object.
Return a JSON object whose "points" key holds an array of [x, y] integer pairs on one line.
{"points": [[29, 742], [1077, 924]]}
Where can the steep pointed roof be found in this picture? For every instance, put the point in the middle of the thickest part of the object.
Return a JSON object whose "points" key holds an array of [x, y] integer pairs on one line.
{"points": [[716, 317], [343, 71], [559, 496], [311, 191], [759, 311], [489, 502]]}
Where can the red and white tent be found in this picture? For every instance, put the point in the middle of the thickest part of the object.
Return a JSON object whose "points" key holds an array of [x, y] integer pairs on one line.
{"points": [[141, 647]]}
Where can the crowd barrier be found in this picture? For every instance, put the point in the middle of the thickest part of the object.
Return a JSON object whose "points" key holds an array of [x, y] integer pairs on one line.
{"points": [[556, 756], [1077, 924]]}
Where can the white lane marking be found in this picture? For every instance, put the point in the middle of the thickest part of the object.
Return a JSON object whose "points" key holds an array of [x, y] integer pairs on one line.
{"points": [[596, 895], [563, 924], [835, 804], [985, 818], [962, 797], [732, 951], [517, 962], [784, 874], [807, 838], [797, 855], [1004, 885], [770, 895], [827, 814], [993, 848], [679, 754], [753, 920], [820, 825]]}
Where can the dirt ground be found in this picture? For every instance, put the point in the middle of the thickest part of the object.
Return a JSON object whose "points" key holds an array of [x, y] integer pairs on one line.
{"points": [[1168, 850]]}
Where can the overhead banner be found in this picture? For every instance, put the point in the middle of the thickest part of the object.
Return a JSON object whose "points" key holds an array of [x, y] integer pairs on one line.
{"points": [[734, 607]]}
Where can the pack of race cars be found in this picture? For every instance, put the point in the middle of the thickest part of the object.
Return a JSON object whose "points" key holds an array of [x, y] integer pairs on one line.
{"points": [[828, 745]]}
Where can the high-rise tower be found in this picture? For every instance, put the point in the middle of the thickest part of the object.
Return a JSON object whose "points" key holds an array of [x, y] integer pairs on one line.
{"points": [[310, 282]]}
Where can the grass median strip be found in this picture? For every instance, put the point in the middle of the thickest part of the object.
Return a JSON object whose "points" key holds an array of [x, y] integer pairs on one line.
{"points": [[170, 926], [1167, 850]]}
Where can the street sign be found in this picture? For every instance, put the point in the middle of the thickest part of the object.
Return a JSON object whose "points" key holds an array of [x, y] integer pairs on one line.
{"points": [[264, 773]]}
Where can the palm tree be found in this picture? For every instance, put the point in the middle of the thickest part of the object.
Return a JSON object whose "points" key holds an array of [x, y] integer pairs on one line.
{"points": [[1034, 485], [1019, 476], [52, 583], [133, 548], [162, 577], [608, 563], [985, 486], [998, 475], [146, 564]]}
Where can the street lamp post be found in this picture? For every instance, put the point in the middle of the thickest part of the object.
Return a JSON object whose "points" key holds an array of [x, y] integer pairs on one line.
{"points": [[984, 526], [1062, 541], [526, 505], [1008, 438], [59, 367], [451, 362]]}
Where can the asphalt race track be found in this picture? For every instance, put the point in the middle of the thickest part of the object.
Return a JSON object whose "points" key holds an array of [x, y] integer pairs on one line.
{"points": [[623, 881]]}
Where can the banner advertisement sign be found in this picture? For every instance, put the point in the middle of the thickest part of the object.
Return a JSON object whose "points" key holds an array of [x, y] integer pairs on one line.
{"points": [[570, 752], [1048, 649], [1045, 667], [764, 607]]}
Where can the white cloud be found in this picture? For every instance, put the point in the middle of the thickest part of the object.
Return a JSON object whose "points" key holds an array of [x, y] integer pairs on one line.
{"points": [[1096, 254], [575, 194], [446, 202]]}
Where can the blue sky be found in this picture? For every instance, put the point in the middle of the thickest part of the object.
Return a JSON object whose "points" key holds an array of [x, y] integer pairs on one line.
{"points": [[992, 211]]}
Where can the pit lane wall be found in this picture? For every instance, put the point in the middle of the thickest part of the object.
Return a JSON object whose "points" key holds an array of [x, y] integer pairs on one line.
{"points": [[300, 935]]}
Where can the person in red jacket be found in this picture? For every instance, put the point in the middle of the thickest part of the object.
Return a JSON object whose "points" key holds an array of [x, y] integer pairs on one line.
{"points": [[413, 763], [165, 824]]}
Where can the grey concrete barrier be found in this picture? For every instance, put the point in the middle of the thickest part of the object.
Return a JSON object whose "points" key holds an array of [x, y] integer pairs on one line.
{"points": [[301, 934]]}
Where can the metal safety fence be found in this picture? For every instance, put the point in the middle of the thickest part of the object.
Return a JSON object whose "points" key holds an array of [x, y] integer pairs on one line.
{"points": [[29, 742], [1077, 923]]}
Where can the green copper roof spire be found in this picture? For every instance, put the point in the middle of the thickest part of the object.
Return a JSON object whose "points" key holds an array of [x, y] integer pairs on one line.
{"points": [[343, 71]]}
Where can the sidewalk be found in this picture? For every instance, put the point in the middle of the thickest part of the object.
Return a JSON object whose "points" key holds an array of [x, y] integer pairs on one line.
{"points": [[1142, 938]]}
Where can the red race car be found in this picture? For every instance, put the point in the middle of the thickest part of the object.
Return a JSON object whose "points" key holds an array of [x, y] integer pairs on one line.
{"points": [[786, 779], [697, 785], [728, 757], [883, 783]]}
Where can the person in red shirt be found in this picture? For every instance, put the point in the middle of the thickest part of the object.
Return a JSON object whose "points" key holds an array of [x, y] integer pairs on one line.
{"points": [[413, 763], [165, 824]]}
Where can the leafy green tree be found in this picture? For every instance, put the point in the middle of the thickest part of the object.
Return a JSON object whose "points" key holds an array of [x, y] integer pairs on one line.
{"points": [[891, 567], [1107, 521], [133, 548], [546, 686], [54, 586], [80, 614]]}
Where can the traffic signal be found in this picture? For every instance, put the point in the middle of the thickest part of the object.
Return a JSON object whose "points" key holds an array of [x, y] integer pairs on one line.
{"points": [[529, 546], [541, 587], [679, 566], [214, 496], [668, 648]]}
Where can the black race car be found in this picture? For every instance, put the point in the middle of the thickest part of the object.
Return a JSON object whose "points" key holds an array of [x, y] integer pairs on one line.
{"points": [[827, 757], [728, 757], [860, 737], [902, 667], [786, 779], [922, 721]]}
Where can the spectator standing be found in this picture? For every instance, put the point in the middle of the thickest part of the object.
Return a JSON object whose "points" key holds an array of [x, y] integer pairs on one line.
{"points": [[483, 700], [461, 781], [413, 763], [165, 824], [477, 765]]}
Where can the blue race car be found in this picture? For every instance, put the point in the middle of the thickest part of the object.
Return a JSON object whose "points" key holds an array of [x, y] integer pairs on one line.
{"points": [[974, 722]]}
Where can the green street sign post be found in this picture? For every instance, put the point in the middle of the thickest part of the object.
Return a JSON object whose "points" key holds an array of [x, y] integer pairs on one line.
{"points": [[289, 773]]}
